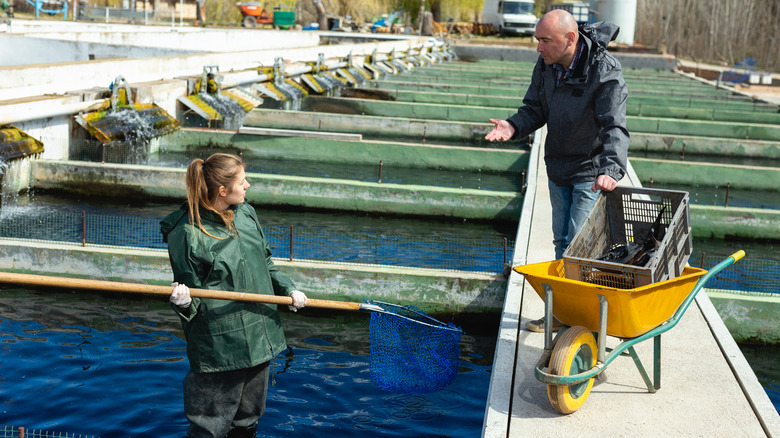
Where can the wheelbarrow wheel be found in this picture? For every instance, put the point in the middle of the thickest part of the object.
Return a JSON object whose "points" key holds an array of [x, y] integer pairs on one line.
{"points": [[574, 353], [249, 22]]}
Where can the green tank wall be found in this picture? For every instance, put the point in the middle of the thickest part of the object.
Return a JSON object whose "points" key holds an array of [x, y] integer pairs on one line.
{"points": [[280, 190], [352, 152], [750, 317], [707, 174]]}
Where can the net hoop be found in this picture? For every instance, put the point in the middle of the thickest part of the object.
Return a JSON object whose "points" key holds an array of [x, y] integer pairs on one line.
{"points": [[433, 322], [411, 352]]}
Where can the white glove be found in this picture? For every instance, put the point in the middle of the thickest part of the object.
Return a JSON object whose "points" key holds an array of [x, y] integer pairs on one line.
{"points": [[299, 300], [181, 295]]}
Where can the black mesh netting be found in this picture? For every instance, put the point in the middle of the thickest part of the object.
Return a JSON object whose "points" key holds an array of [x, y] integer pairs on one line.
{"points": [[411, 352]]}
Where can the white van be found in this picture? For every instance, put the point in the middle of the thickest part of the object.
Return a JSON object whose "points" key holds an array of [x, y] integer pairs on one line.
{"points": [[510, 17]]}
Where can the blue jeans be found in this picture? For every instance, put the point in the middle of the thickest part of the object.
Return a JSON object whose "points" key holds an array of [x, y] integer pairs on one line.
{"points": [[570, 207]]}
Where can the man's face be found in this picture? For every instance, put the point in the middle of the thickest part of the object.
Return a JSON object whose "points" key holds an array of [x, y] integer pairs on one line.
{"points": [[552, 44]]}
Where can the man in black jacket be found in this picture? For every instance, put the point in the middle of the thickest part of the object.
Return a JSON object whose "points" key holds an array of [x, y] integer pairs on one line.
{"points": [[577, 89]]}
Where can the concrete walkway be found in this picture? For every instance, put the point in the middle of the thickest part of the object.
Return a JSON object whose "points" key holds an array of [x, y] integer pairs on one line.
{"points": [[707, 387]]}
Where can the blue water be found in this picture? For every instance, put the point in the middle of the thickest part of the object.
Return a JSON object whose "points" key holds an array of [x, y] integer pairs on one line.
{"points": [[112, 367], [763, 361]]}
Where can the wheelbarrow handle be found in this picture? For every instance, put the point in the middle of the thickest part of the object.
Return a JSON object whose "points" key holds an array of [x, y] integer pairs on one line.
{"points": [[719, 267], [703, 280], [738, 255]]}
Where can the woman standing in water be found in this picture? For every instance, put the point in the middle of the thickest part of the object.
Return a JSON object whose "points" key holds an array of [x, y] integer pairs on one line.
{"points": [[215, 242]]}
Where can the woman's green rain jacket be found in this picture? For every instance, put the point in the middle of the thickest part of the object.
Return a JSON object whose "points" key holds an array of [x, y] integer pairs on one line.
{"points": [[226, 335]]}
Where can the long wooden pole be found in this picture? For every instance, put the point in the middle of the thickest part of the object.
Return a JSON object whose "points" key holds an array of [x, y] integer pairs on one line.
{"points": [[136, 288]]}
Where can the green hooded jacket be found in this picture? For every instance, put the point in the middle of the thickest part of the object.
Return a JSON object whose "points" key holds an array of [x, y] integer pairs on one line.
{"points": [[226, 335]]}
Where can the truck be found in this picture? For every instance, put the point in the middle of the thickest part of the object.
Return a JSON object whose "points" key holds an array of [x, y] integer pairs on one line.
{"points": [[510, 17]]}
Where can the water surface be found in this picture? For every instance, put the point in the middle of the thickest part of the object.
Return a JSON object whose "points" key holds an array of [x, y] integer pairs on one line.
{"points": [[111, 366]]}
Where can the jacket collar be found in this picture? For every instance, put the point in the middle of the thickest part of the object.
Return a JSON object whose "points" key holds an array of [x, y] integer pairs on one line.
{"points": [[182, 214]]}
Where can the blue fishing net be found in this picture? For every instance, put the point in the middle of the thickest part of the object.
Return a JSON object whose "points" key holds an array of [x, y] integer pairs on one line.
{"points": [[411, 352]]}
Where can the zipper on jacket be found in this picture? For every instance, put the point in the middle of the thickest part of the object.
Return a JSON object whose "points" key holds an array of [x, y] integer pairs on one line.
{"points": [[273, 365], [273, 354]]}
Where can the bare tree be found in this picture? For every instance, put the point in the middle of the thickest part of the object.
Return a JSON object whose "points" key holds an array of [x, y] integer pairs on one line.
{"points": [[724, 31]]}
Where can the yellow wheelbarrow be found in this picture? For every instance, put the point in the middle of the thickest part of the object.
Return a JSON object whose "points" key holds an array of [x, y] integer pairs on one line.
{"points": [[573, 359]]}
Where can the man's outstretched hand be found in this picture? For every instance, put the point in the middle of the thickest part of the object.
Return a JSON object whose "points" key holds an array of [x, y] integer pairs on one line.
{"points": [[502, 131]]}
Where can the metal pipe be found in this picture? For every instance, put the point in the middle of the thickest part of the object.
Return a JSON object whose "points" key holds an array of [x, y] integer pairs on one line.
{"points": [[233, 80], [291, 243], [250, 79], [15, 114]]}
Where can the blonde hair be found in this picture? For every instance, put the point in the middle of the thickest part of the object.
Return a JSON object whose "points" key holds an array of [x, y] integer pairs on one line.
{"points": [[204, 178]]}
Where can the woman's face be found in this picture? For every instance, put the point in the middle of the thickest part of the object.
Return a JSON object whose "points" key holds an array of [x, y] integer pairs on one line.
{"points": [[236, 192]]}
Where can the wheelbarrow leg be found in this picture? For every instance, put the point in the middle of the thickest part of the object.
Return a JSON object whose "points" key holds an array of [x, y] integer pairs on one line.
{"points": [[641, 368], [548, 317], [602, 341], [657, 360]]}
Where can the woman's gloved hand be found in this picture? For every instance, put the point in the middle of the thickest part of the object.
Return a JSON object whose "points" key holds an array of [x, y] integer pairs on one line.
{"points": [[181, 295], [299, 300]]}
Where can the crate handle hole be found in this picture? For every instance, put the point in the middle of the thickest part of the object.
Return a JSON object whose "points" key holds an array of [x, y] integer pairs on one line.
{"points": [[647, 198]]}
